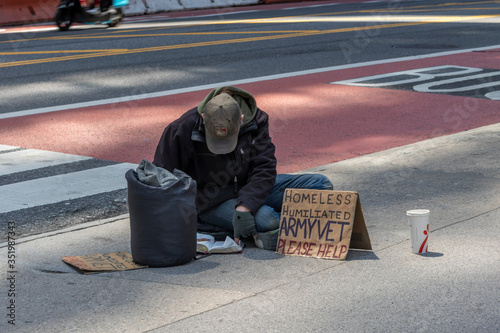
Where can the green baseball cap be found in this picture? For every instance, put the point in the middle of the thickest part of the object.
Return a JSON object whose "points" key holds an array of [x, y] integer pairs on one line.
{"points": [[222, 118]]}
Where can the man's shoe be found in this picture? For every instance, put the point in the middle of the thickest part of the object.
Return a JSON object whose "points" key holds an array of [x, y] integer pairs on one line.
{"points": [[267, 240]]}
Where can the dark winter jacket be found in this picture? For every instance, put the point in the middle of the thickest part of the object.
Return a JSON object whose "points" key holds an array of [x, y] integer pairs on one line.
{"points": [[248, 173]]}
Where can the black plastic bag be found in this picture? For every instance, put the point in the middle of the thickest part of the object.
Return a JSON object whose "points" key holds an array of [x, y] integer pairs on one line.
{"points": [[162, 220]]}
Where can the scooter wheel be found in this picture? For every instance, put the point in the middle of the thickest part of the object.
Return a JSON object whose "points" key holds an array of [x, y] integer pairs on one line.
{"points": [[117, 20], [63, 20], [115, 23]]}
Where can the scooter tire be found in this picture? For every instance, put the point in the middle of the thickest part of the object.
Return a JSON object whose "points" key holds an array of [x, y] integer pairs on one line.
{"points": [[63, 21], [115, 23], [118, 20]]}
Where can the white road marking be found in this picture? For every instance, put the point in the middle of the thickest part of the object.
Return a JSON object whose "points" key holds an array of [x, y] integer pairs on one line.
{"points": [[494, 95], [50, 190], [235, 82], [29, 159]]}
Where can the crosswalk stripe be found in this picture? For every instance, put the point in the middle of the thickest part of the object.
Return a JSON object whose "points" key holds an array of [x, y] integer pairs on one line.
{"points": [[12, 161], [59, 188]]}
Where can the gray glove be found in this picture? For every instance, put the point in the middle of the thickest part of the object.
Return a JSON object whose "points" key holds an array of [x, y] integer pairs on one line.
{"points": [[243, 224]]}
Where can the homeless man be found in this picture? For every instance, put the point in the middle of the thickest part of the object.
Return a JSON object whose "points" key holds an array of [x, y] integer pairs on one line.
{"points": [[224, 145]]}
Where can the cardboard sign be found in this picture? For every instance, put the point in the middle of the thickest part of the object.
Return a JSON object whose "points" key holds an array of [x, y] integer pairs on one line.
{"points": [[321, 224], [103, 262]]}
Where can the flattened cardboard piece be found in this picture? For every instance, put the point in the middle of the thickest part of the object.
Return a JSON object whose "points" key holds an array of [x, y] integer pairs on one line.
{"points": [[321, 224], [102, 262], [360, 239]]}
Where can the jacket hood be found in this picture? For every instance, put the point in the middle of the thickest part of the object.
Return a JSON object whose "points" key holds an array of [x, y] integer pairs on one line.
{"points": [[245, 100]]}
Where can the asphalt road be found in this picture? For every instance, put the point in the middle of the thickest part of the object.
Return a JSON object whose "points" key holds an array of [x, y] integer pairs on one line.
{"points": [[50, 68]]}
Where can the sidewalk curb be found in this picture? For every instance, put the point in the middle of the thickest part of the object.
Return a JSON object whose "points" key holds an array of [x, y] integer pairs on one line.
{"points": [[81, 226]]}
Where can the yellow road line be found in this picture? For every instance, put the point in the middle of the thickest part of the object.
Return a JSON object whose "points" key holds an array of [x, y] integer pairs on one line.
{"points": [[61, 51], [209, 43], [424, 10], [196, 34], [238, 40], [263, 20]]}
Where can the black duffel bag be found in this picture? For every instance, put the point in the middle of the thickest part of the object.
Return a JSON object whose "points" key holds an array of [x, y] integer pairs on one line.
{"points": [[163, 219]]}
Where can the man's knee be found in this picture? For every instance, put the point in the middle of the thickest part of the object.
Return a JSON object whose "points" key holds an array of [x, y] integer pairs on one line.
{"points": [[266, 219], [320, 182]]}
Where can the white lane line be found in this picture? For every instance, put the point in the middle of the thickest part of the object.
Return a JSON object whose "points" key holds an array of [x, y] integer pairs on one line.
{"points": [[27, 29], [50, 190], [145, 18], [222, 13], [494, 95], [29, 159], [7, 148], [235, 82], [312, 6]]}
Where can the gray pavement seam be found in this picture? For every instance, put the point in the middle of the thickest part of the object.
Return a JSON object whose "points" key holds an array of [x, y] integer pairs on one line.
{"points": [[465, 220], [66, 230]]}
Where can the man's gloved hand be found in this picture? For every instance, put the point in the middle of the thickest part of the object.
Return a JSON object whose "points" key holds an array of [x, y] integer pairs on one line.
{"points": [[243, 225]]}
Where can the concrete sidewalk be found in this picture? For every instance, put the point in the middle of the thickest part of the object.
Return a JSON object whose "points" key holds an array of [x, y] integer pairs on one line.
{"points": [[453, 288]]}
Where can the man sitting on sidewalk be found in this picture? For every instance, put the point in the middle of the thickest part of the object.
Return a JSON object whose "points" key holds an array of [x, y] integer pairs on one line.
{"points": [[224, 145]]}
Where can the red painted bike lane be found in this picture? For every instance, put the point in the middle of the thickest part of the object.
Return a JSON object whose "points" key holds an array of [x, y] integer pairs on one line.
{"points": [[312, 122]]}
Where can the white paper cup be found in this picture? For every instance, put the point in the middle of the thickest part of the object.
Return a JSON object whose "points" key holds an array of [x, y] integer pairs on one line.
{"points": [[418, 220]]}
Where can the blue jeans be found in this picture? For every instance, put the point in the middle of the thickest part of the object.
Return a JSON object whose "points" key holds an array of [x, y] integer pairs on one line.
{"points": [[267, 217]]}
